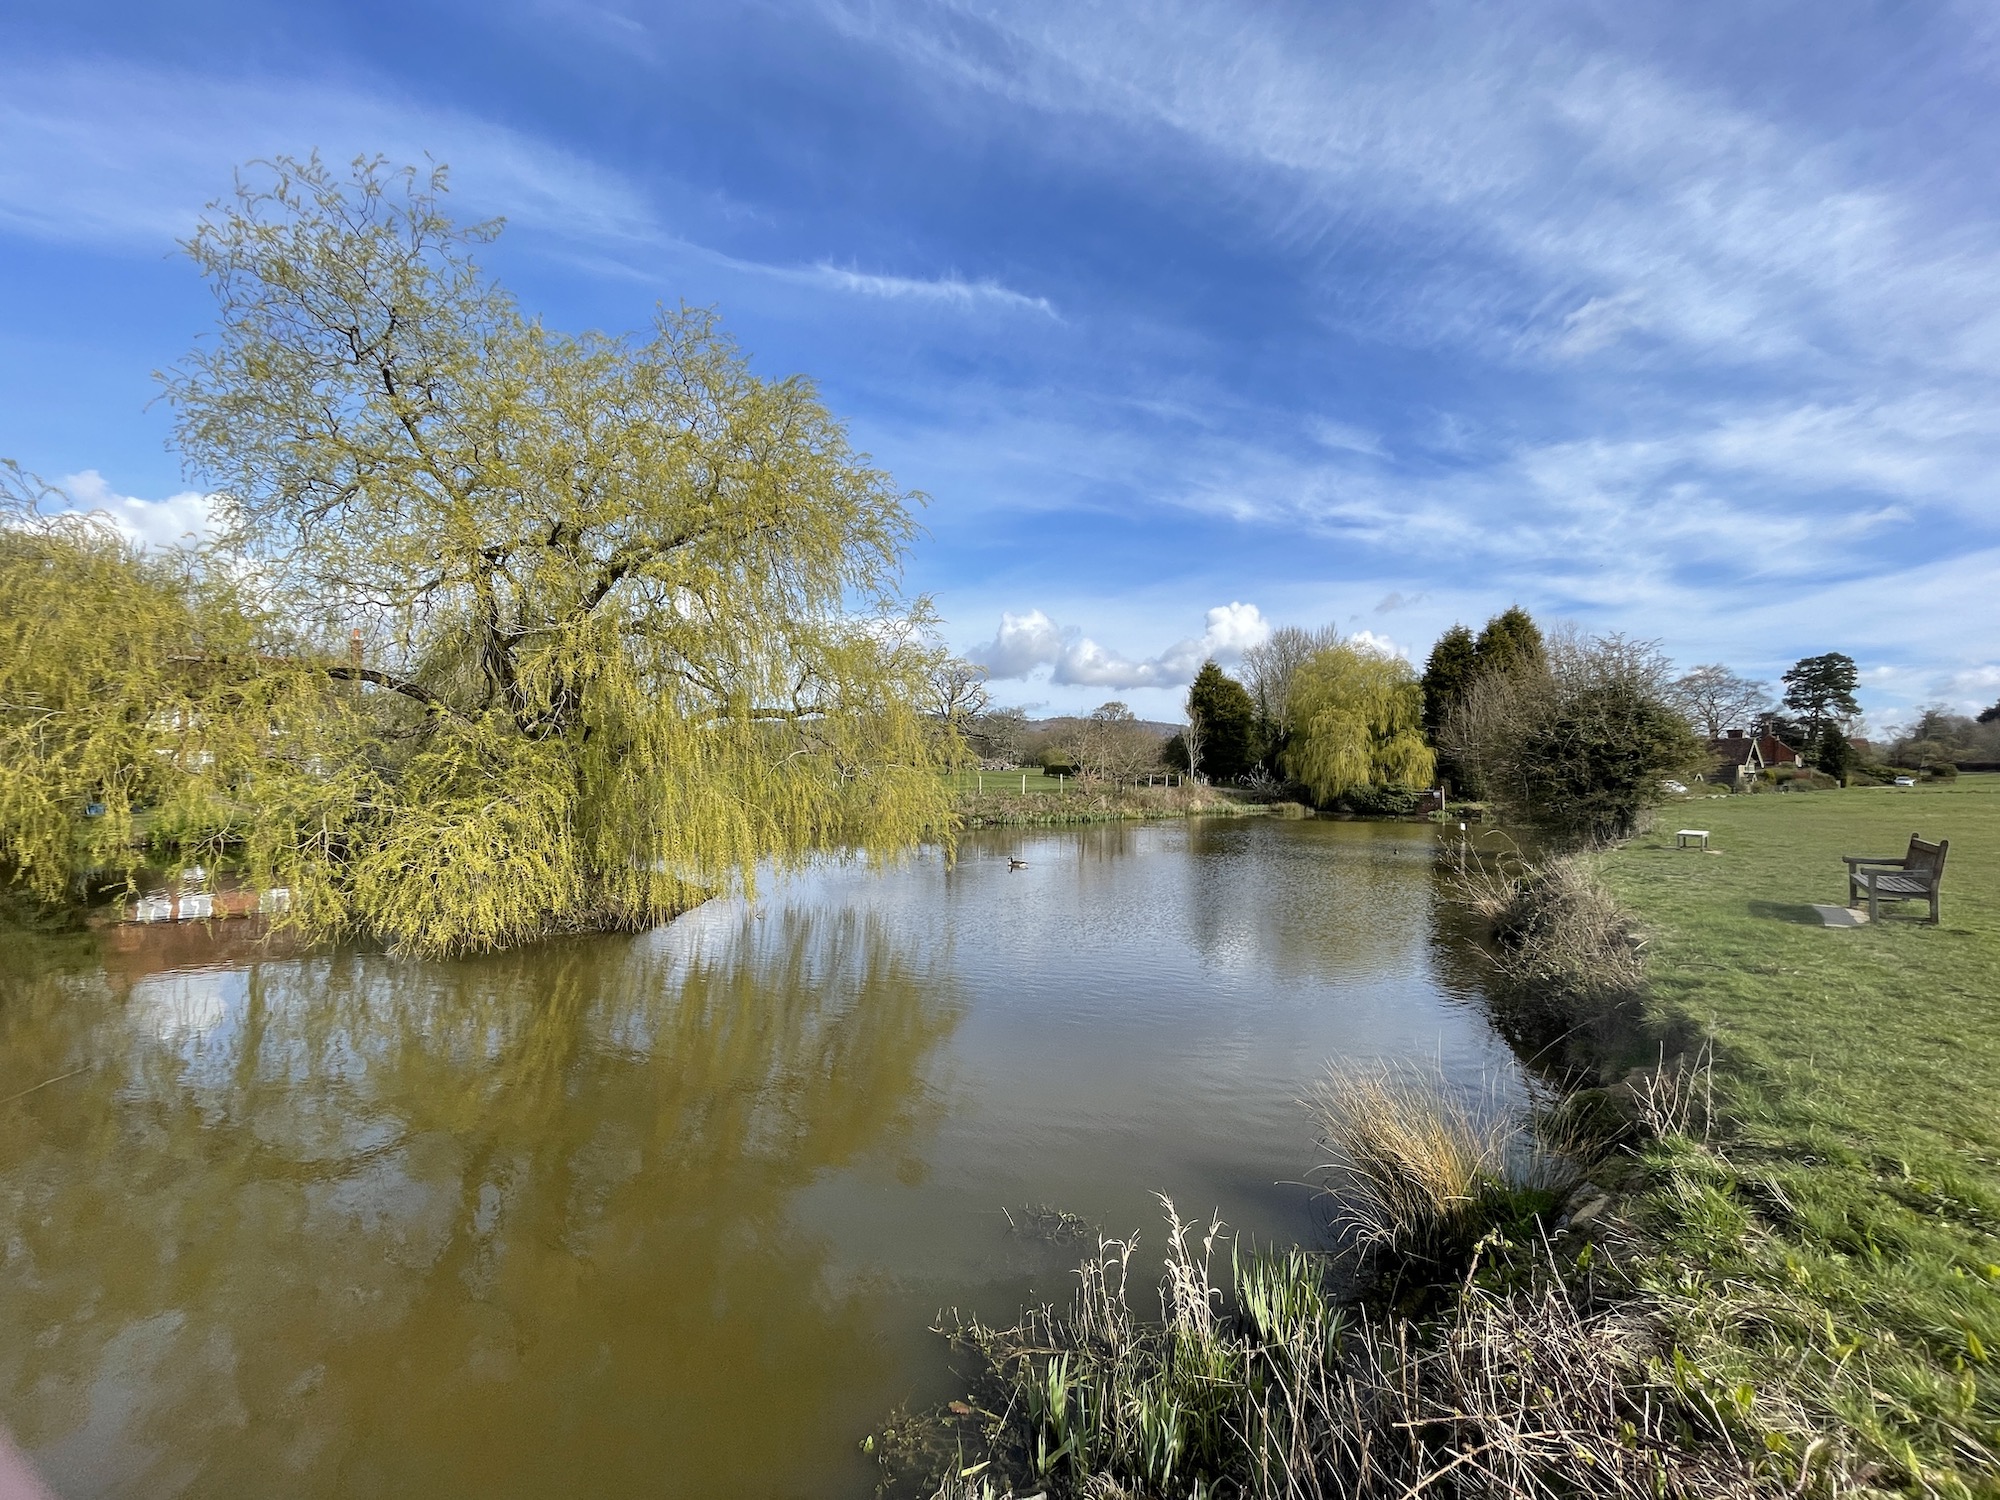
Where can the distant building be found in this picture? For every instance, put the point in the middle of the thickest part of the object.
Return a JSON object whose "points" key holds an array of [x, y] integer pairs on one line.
{"points": [[1740, 756], [1776, 752]]}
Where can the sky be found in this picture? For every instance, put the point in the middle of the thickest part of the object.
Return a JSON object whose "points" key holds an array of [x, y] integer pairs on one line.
{"points": [[1189, 319]]}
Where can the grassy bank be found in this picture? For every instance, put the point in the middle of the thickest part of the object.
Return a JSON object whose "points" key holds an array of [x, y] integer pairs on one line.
{"points": [[1831, 1257], [1088, 802], [1791, 1286]]}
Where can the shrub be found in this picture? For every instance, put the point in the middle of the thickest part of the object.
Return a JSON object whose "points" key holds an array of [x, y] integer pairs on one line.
{"points": [[1381, 801], [1564, 953], [1580, 748]]}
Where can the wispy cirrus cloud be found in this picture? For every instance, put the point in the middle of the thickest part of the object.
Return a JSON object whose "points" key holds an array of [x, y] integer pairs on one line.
{"points": [[122, 153], [946, 289], [115, 154], [1569, 198]]}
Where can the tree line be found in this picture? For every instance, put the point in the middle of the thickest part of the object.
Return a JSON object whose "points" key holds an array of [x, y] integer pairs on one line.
{"points": [[1566, 731]]}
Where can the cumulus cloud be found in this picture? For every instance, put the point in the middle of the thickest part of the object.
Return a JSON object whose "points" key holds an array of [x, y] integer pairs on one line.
{"points": [[1023, 643], [1368, 640], [188, 516], [1028, 642]]}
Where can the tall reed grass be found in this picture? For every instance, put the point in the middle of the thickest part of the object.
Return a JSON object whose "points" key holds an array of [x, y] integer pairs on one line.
{"points": [[1264, 1387], [1422, 1169], [1554, 925]]}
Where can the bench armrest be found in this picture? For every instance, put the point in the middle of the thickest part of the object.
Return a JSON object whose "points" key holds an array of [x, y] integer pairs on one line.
{"points": [[1896, 861]]}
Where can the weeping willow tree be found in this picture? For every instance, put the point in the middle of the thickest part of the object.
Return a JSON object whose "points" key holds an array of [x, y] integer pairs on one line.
{"points": [[1357, 721], [87, 717], [532, 631]]}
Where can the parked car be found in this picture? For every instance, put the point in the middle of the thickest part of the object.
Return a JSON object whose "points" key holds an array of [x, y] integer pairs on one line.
{"points": [[1906, 781]]}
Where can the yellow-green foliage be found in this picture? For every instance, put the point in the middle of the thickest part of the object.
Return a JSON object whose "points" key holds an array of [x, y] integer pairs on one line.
{"points": [[107, 657], [549, 631], [84, 625], [1358, 721]]}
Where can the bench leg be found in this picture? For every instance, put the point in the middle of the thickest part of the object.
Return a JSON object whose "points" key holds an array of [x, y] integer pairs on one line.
{"points": [[1934, 906], [1872, 913]]}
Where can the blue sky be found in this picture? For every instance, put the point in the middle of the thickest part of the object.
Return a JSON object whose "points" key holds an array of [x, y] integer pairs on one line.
{"points": [[1190, 318]]}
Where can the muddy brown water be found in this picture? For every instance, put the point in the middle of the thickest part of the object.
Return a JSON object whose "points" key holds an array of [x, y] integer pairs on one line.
{"points": [[665, 1215]]}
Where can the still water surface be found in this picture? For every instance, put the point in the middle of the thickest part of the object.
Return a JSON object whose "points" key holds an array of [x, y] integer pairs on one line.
{"points": [[668, 1214]]}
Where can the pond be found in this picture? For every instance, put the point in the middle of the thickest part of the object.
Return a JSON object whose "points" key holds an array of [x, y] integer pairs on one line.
{"points": [[667, 1214]]}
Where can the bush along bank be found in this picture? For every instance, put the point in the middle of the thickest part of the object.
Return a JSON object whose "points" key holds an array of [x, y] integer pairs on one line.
{"points": [[1620, 1294], [1100, 803]]}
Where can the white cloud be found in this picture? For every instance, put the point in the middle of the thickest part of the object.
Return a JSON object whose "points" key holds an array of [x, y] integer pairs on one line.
{"points": [[1023, 643], [187, 517], [1028, 642], [947, 289], [1382, 645], [137, 166], [136, 163], [1345, 437], [1584, 200]]}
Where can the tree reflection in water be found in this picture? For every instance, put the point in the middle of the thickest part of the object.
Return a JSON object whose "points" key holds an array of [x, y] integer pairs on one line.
{"points": [[346, 1225]]}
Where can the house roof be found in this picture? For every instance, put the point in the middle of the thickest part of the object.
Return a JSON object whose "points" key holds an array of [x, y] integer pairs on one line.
{"points": [[1776, 752], [1736, 750]]}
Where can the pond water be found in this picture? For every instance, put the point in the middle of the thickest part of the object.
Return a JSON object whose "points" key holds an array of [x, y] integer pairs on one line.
{"points": [[667, 1214]]}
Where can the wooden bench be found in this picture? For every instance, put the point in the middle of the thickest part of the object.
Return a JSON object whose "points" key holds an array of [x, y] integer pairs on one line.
{"points": [[1914, 877]]}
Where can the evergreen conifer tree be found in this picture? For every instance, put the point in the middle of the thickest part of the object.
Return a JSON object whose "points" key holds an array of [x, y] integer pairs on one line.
{"points": [[1227, 723], [1511, 642], [1821, 690], [1448, 675]]}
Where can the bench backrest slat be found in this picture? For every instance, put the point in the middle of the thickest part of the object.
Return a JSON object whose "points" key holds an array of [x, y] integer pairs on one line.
{"points": [[1926, 858]]}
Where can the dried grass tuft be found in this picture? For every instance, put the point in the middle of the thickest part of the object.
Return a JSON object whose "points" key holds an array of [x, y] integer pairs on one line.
{"points": [[1421, 1168], [1283, 1394]]}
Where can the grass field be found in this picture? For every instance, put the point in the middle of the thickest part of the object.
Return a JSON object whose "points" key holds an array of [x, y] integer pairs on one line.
{"points": [[1833, 1257], [998, 782]]}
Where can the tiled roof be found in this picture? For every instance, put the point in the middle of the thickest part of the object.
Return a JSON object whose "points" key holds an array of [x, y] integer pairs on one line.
{"points": [[1733, 750], [1776, 752]]}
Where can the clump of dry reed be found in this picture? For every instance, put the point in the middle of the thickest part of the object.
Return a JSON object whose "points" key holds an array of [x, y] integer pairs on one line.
{"points": [[1532, 1394], [1422, 1169], [1276, 1392], [1565, 955], [1554, 925]]}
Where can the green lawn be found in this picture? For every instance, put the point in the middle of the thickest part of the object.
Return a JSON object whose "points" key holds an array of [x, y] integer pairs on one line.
{"points": [[1008, 781], [1834, 1260]]}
